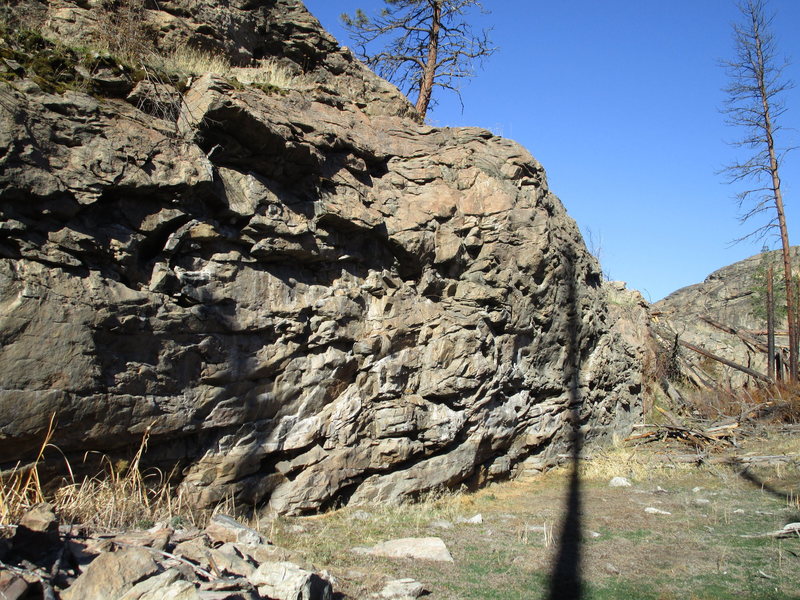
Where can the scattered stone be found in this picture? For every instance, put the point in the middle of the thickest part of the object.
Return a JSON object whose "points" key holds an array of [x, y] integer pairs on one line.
{"points": [[144, 590], [660, 490], [40, 518], [223, 528], [619, 482], [594, 534], [12, 587], [430, 548], [111, 574], [361, 515], [702, 501], [697, 489], [477, 519], [656, 511], [611, 569], [230, 561], [401, 589], [287, 581]]}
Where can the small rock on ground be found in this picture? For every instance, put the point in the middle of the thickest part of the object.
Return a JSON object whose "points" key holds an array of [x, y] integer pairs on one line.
{"points": [[619, 482], [287, 581], [223, 528], [430, 548], [401, 589], [656, 511]]}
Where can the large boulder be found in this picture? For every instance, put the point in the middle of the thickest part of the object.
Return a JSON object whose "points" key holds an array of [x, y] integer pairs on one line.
{"points": [[302, 301]]}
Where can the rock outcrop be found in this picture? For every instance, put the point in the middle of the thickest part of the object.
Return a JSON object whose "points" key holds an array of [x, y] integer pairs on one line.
{"points": [[733, 296], [305, 298]]}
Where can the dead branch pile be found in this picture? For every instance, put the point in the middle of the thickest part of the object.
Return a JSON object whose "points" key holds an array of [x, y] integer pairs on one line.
{"points": [[713, 437]]}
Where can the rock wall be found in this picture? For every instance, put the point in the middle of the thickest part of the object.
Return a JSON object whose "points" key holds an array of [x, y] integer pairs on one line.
{"points": [[728, 296], [305, 298]]}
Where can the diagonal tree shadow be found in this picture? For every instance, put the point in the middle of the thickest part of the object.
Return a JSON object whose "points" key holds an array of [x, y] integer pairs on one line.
{"points": [[566, 580], [752, 478]]}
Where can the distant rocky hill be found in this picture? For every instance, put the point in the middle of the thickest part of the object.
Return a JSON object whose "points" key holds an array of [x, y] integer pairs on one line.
{"points": [[731, 296], [305, 296]]}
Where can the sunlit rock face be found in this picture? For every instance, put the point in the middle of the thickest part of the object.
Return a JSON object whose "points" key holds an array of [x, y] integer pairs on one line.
{"points": [[307, 298], [732, 297]]}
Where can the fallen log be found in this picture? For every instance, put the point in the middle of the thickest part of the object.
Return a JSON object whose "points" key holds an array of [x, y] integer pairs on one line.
{"points": [[791, 530], [750, 461], [725, 361], [747, 339]]}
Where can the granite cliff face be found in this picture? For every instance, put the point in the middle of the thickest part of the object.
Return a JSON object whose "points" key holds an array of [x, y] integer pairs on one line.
{"points": [[728, 296], [305, 298]]}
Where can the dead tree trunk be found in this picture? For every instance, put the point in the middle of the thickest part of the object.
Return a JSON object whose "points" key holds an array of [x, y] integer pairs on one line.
{"points": [[770, 324]]}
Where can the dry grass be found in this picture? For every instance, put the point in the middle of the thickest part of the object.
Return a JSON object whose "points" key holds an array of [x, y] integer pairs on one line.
{"points": [[21, 487], [267, 72], [696, 551], [187, 60], [779, 403], [120, 497]]}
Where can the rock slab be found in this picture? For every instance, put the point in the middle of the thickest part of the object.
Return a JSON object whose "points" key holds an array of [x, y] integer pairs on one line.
{"points": [[428, 548]]}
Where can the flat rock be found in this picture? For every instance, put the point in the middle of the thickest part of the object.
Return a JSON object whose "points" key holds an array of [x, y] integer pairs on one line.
{"points": [[619, 482], [223, 528], [112, 574], [401, 589], [287, 581], [40, 518], [428, 548], [152, 586], [12, 587], [651, 510]]}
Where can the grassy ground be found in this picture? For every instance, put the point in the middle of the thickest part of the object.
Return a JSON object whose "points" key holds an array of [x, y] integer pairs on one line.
{"points": [[698, 551]]}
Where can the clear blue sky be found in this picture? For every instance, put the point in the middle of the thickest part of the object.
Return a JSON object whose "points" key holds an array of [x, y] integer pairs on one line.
{"points": [[619, 100]]}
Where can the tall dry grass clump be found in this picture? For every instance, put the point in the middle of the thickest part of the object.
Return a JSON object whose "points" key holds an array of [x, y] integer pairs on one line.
{"points": [[121, 496], [21, 486]]}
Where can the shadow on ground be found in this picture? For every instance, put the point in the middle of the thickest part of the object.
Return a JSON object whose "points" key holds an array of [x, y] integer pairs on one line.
{"points": [[566, 579]]}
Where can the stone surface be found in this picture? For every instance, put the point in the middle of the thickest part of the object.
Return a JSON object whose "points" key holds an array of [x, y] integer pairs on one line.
{"points": [[112, 574], [428, 548], [728, 296], [651, 510], [619, 482], [36, 536], [223, 528], [40, 518], [287, 581], [305, 298], [154, 587], [12, 587], [401, 589]]}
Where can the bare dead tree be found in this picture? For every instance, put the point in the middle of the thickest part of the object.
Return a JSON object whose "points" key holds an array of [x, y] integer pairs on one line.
{"points": [[429, 44], [754, 105]]}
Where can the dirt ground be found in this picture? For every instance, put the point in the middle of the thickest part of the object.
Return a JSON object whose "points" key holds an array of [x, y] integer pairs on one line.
{"points": [[711, 544]]}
